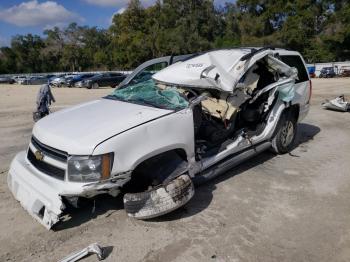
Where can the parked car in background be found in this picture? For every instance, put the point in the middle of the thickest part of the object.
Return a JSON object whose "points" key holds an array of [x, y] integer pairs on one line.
{"points": [[80, 84], [77, 78], [19, 79], [327, 72], [104, 79], [345, 71], [60, 80], [6, 80], [35, 80]]}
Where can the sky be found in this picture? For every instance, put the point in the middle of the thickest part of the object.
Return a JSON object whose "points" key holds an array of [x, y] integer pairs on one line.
{"points": [[34, 16]]}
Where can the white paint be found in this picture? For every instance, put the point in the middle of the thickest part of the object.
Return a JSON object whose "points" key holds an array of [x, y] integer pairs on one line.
{"points": [[79, 129]]}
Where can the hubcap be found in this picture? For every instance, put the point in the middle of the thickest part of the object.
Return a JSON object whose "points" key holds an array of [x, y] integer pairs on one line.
{"points": [[287, 134]]}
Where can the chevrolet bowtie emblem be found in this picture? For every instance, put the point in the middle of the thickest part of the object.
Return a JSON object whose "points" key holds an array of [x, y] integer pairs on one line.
{"points": [[39, 155]]}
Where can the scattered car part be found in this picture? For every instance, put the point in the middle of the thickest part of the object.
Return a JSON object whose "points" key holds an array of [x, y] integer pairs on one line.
{"points": [[338, 104], [160, 200], [91, 249]]}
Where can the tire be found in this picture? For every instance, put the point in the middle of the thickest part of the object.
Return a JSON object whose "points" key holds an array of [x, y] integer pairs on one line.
{"points": [[160, 200], [95, 86], [283, 141]]}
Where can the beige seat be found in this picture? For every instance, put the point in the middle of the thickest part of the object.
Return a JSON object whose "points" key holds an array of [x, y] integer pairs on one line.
{"points": [[251, 79], [219, 108]]}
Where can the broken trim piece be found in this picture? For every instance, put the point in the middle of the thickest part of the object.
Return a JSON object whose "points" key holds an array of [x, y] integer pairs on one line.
{"points": [[338, 104], [91, 249]]}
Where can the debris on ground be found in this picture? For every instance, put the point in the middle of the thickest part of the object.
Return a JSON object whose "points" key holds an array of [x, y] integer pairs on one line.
{"points": [[91, 249], [338, 104]]}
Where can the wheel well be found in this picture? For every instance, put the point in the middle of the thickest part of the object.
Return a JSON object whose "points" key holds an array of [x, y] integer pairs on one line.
{"points": [[294, 111], [157, 169]]}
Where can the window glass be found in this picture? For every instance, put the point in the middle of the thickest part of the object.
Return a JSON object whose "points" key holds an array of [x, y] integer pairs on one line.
{"points": [[146, 74], [150, 94], [295, 61]]}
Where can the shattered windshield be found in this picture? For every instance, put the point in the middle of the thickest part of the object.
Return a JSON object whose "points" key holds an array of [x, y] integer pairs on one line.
{"points": [[149, 93]]}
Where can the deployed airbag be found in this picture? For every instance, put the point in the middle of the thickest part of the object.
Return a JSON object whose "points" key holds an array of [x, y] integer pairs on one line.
{"points": [[286, 92]]}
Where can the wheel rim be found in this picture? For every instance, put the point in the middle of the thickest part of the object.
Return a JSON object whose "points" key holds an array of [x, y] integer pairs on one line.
{"points": [[287, 134]]}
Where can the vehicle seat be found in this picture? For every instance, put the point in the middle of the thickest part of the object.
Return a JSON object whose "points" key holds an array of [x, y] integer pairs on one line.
{"points": [[251, 79], [219, 108]]}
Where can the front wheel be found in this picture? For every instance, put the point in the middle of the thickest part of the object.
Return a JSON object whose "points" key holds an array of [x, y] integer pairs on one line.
{"points": [[284, 139], [159, 200]]}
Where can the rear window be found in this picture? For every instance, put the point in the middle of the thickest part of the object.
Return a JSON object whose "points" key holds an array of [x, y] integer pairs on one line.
{"points": [[295, 61]]}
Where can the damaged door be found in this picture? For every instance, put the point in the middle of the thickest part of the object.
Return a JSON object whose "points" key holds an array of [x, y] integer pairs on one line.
{"points": [[278, 95]]}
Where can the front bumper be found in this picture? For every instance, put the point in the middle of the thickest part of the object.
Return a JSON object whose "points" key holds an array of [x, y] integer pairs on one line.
{"points": [[41, 195]]}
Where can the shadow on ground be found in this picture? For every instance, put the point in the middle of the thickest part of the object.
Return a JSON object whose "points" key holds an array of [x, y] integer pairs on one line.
{"points": [[91, 209], [201, 200], [306, 133]]}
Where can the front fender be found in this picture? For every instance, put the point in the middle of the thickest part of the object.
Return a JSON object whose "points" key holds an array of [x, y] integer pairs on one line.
{"points": [[174, 131]]}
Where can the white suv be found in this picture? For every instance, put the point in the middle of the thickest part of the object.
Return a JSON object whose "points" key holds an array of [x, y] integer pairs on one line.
{"points": [[153, 137]]}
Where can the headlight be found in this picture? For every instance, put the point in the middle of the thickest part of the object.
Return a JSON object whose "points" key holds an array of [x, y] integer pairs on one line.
{"points": [[89, 168]]}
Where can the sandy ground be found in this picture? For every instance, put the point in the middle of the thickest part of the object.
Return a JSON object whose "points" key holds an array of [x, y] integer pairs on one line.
{"points": [[273, 208]]}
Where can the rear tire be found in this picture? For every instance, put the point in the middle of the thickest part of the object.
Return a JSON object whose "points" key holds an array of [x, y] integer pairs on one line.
{"points": [[95, 86], [284, 139]]}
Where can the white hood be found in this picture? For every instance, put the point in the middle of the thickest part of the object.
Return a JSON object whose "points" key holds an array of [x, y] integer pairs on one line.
{"points": [[78, 130], [219, 69]]}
